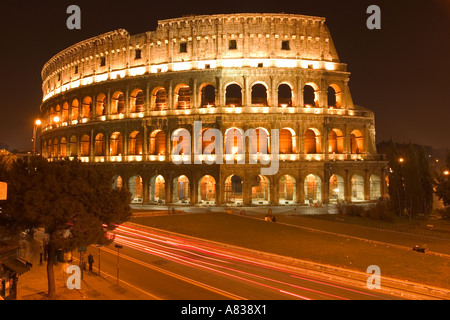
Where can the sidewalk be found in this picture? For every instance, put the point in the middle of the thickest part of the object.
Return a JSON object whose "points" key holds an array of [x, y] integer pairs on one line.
{"points": [[33, 286]]}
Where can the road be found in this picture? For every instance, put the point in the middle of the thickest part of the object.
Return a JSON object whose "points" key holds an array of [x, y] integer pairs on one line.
{"points": [[183, 268]]}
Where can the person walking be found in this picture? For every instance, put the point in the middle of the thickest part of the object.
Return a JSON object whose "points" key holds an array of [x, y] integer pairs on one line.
{"points": [[90, 261]]}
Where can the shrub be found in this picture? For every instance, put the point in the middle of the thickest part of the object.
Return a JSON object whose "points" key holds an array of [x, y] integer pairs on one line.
{"points": [[381, 211]]}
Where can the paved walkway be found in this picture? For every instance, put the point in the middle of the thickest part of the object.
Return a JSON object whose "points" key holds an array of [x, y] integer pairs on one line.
{"points": [[33, 286]]}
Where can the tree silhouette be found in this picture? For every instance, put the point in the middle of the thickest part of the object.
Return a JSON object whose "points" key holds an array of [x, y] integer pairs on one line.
{"points": [[75, 203]]}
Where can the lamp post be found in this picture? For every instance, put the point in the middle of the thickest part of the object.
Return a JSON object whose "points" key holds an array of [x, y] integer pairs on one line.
{"points": [[37, 124], [118, 254]]}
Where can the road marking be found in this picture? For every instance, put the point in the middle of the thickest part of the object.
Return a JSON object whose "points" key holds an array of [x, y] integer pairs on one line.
{"points": [[177, 276]]}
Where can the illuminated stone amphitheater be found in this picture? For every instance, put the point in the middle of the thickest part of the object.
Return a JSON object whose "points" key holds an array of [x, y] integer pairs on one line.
{"points": [[117, 100]]}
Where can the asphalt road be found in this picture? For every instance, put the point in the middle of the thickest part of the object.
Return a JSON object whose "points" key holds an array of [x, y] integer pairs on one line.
{"points": [[180, 268]]}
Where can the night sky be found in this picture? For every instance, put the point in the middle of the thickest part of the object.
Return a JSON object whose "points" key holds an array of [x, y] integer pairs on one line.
{"points": [[401, 72]]}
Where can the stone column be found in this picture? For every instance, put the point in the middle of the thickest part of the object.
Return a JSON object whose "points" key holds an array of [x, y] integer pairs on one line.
{"points": [[348, 187], [145, 190], [194, 95], [300, 184], [274, 190], [169, 189], [366, 185], [193, 189], [170, 97], [145, 141], [91, 146], [220, 99], [246, 96], [108, 103], [299, 103]]}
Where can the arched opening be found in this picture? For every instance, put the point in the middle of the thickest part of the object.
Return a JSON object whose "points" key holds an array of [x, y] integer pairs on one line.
{"points": [[233, 190], [86, 109], [51, 115], [116, 144], [118, 183], [207, 190], [356, 142], [100, 145], [261, 190], [73, 146], [158, 143], [160, 99], [63, 148], [181, 145], [259, 95], [334, 96], [233, 95], [183, 97], [137, 101], [335, 141], [135, 143], [75, 110], [234, 141], [310, 96], [65, 112], [259, 142], [85, 145], [136, 189], [55, 150], [286, 141], [100, 106], [375, 187], [58, 112], [357, 188], [313, 189], [208, 96], [118, 103], [336, 188], [158, 189], [284, 95], [209, 145], [286, 190], [49, 148], [181, 190], [312, 141], [44, 150]]}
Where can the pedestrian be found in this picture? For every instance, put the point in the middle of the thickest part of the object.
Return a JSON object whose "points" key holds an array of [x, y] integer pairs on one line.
{"points": [[90, 261]]}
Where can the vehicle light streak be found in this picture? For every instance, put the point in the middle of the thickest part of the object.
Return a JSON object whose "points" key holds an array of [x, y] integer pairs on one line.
{"points": [[190, 262], [218, 252], [175, 256]]}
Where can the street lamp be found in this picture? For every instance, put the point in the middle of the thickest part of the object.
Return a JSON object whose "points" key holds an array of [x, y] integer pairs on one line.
{"points": [[118, 254], [446, 172], [401, 160], [37, 124]]}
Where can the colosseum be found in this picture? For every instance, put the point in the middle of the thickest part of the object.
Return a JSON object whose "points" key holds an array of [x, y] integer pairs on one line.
{"points": [[122, 101]]}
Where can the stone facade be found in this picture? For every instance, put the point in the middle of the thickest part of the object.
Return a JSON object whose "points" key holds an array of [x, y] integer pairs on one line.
{"points": [[116, 99]]}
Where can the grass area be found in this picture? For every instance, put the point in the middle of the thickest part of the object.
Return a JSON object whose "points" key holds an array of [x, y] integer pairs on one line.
{"points": [[299, 243]]}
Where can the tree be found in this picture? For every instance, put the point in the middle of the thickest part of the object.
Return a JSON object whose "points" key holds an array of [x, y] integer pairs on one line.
{"points": [[426, 182], [413, 189], [395, 190], [75, 203], [443, 185]]}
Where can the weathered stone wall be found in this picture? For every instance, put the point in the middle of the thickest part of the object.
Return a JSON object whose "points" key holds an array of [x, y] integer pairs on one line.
{"points": [[81, 97]]}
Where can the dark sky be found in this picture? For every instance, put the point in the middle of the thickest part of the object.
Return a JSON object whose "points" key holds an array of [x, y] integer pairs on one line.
{"points": [[401, 72]]}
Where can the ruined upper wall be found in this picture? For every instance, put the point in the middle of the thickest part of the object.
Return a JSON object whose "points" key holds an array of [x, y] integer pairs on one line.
{"points": [[192, 42]]}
